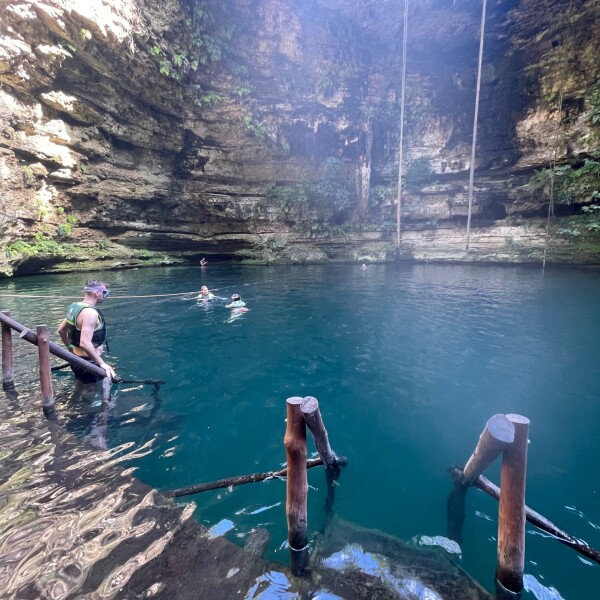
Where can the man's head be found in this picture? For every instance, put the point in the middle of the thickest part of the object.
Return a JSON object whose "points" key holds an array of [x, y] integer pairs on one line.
{"points": [[235, 297], [96, 289], [204, 290]]}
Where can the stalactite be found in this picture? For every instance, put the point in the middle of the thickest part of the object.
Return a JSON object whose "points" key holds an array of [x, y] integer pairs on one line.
{"points": [[363, 171]]}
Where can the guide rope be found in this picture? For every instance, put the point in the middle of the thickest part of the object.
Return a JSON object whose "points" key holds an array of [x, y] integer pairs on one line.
{"points": [[2, 295], [111, 297], [402, 102], [475, 118]]}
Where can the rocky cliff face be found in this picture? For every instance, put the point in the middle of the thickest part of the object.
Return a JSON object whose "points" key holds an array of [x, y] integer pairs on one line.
{"points": [[135, 132]]}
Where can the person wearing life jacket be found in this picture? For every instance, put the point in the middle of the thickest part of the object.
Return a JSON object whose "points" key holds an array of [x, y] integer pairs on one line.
{"points": [[236, 302], [205, 294], [237, 306], [83, 330]]}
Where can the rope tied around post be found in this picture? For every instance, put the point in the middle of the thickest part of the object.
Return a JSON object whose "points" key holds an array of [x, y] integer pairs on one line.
{"points": [[298, 549]]}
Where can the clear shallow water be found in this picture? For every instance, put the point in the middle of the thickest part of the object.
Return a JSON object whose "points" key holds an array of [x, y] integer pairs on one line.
{"points": [[407, 362]]}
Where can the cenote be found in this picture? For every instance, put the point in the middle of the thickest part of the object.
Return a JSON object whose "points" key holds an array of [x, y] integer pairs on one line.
{"points": [[408, 362]]}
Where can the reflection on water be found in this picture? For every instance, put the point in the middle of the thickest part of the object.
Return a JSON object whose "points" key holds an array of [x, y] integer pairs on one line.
{"points": [[61, 515], [541, 592], [271, 586], [407, 362], [354, 558]]}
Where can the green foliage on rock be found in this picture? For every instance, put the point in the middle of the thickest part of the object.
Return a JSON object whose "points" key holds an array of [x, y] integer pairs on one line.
{"points": [[592, 215], [41, 246], [569, 184], [382, 195], [418, 174], [243, 90], [593, 114], [265, 250], [255, 127], [208, 99], [204, 40], [326, 86], [290, 200], [28, 175], [333, 190]]}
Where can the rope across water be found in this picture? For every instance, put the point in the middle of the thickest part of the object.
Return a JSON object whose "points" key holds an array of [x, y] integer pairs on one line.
{"points": [[47, 297]]}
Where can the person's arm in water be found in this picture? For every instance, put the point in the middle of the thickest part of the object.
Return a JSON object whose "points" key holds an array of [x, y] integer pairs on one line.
{"points": [[62, 331], [89, 320]]}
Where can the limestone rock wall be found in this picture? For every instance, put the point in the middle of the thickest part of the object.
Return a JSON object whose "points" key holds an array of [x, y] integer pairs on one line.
{"points": [[134, 132]]}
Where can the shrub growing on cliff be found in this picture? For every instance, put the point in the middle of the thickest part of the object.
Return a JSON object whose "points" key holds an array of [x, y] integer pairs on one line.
{"points": [[418, 174], [333, 190], [594, 112], [571, 184], [42, 245], [290, 200], [255, 127], [593, 217]]}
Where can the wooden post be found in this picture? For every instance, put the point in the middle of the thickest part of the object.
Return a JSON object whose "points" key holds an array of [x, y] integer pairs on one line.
{"points": [[312, 416], [511, 512], [296, 486], [497, 434], [8, 375], [43, 340]]}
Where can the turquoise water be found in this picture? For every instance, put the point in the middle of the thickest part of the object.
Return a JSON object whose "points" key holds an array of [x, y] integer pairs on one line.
{"points": [[407, 362]]}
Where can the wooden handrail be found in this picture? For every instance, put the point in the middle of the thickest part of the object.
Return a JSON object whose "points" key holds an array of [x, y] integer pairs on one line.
{"points": [[73, 359], [535, 518]]}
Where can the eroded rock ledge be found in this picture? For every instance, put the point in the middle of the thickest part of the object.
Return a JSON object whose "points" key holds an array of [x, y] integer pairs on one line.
{"points": [[137, 133]]}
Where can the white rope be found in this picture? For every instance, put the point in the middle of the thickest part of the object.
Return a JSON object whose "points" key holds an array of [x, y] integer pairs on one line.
{"points": [[475, 117], [75, 297], [297, 549], [401, 149]]}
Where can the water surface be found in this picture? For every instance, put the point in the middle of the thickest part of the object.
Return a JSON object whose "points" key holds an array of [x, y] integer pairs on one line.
{"points": [[407, 362]]}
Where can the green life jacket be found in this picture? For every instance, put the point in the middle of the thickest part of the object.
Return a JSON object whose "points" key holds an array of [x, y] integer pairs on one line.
{"points": [[74, 333]]}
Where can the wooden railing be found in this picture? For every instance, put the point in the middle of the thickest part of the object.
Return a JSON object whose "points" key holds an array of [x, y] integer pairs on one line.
{"points": [[507, 435], [41, 339]]}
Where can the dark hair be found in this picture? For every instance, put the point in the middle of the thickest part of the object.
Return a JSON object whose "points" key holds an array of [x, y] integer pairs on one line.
{"points": [[236, 297]]}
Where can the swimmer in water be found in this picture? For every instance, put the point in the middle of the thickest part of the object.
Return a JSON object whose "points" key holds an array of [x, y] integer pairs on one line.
{"points": [[236, 302], [205, 294], [238, 308]]}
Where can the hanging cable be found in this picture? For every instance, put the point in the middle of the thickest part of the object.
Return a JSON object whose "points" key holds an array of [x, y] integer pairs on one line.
{"points": [[566, 15], [401, 149], [475, 117]]}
